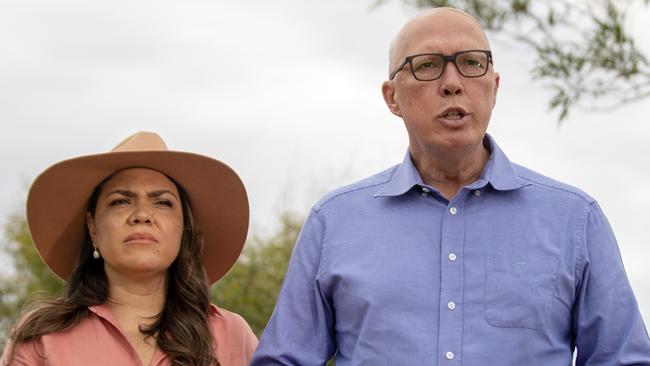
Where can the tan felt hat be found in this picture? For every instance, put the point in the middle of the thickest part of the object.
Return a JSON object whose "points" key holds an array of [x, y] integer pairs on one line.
{"points": [[58, 200]]}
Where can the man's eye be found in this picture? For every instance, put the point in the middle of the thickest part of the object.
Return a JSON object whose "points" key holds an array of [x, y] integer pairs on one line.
{"points": [[474, 63], [426, 65]]}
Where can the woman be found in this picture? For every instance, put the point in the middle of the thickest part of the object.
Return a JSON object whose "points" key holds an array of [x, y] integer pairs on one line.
{"points": [[138, 233]]}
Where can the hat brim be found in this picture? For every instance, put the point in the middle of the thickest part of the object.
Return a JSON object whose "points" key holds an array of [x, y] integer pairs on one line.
{"points": [[58, 199]]}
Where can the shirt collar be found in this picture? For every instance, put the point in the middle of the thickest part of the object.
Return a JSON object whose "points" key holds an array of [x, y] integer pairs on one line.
{"points": [[215, 310], [498, 172], [103, 311], [404, 178]]}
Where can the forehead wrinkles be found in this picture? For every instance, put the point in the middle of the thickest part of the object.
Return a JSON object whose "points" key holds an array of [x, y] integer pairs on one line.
{"points": [[139, 178], [447, 23]]}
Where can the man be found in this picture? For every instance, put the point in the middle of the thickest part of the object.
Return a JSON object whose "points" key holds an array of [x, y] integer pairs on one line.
{"points": [[455, 256]]}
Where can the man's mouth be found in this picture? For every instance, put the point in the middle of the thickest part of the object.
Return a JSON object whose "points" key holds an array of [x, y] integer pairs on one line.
{"points": [[453, 113]]}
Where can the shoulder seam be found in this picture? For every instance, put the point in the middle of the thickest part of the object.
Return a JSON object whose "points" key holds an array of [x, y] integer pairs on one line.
{"points": [[581, 244], [583, 196], [319, 205], [323, 254]]}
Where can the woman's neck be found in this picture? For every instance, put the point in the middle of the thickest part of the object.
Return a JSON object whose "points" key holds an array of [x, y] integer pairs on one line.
{"points": [[130, 300], [136, 305]]}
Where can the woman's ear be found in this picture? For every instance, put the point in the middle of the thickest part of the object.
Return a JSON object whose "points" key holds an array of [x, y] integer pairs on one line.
{"points": [[90, 224]]}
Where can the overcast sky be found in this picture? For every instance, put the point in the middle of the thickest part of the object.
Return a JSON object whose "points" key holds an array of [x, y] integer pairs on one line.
{"points": [[288, 94]]}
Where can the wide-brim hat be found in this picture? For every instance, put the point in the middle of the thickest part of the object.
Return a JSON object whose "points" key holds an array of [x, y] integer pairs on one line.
{"points": [[58, 200]]}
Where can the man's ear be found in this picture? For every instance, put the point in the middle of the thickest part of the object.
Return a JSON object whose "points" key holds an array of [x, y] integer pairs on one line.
{"points": [[497, 79], [388, 91]]}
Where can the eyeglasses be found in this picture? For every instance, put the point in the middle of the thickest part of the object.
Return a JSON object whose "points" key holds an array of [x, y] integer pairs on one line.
{"points": [[431, 66]]}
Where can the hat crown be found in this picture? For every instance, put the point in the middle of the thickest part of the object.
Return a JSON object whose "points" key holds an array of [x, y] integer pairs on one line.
{"points": [[141, 141]]}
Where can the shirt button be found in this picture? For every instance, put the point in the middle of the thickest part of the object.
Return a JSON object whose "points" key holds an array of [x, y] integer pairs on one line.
{"points": [[449, 355], [451, 305], [477, 193], [452, 257], [453, 210]]}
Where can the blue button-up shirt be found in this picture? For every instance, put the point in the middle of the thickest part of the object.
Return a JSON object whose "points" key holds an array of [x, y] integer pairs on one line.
{"points": [[517, 269]]}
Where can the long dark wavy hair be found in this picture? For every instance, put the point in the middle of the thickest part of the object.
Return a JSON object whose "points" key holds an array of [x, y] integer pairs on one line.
{"points": [[181, 329]]}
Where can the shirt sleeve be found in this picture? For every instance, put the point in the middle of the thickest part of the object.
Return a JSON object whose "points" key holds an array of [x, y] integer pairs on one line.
{"points": [[607, 326], [248, 340], [301, 329]]}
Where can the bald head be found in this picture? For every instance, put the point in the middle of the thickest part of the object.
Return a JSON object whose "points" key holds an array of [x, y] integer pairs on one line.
{"points": [[428, 28]]}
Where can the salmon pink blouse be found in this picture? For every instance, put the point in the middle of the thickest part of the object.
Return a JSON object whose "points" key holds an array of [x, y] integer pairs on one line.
{"points": [[98, 340]]}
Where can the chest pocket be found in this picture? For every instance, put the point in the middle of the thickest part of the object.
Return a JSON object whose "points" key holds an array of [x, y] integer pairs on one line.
{"points": [[519, 290]]}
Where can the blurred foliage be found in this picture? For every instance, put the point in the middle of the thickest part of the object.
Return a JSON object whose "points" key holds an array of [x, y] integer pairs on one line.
{"points": [[249, 289], [252, 285], [29, 276], [585, 53]]}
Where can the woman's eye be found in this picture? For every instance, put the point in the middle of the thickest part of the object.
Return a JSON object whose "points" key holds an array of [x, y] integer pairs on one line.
{"points": [[165, 203], [118, 202]]}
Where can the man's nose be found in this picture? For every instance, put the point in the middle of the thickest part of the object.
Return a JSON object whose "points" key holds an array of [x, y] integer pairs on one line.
{"points": [[451, 81]]}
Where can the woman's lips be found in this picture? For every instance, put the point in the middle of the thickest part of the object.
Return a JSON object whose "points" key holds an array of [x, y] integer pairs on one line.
{"points": [[141, 238]]}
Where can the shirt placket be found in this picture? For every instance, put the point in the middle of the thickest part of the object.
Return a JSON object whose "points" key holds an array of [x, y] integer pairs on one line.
{"points": [[451, 283]]}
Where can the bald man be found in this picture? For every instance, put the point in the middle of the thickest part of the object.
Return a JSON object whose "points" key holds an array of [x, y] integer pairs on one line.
{"points": [[456, 256]]}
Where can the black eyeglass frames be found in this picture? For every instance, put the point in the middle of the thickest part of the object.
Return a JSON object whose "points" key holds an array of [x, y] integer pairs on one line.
{"points": [[431, 66]]}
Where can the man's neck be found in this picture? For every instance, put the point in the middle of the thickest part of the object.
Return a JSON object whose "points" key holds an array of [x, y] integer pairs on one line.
{"points": [[449, 171]]}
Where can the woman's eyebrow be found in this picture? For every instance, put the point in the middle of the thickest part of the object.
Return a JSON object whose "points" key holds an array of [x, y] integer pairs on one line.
{"points": [[152, 194], [158, 193]]}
